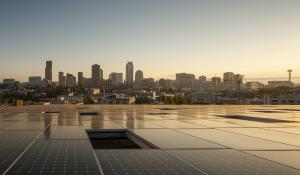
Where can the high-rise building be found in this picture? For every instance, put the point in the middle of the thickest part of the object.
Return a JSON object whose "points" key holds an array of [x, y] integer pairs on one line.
{"points": [[70, 80], [202, 82], [238, 81], [229, 81], [139, 76], [48, 72], [184, 80], [80, 79], [129, 73], [116, 78], [96, 73], [228, 78], [216, 83], [61, 79]]}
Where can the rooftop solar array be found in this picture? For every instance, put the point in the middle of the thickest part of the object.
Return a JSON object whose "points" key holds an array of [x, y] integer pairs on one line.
{"points": [[186, 139]]}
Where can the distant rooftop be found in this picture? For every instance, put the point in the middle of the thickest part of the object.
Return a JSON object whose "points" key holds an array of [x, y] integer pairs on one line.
{"points": [[150, 139]]}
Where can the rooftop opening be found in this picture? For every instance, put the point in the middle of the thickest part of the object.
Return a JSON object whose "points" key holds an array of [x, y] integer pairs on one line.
{"points": [[267, 111], [255, 119], [50, 112], [289, 109], [157, 113], [83, 113], [167, 109], [83, 107], [117, 139]]}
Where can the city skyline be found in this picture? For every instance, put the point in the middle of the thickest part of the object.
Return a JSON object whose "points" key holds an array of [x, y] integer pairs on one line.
{"points": [[97, 73], [258, 38]]}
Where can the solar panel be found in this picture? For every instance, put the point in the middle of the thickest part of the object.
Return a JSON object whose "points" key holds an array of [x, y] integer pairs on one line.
{"points": [[142, 162], [57, 157], [231, 162]]}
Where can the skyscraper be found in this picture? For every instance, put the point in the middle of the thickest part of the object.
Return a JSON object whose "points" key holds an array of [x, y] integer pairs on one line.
{"points": [[129, 73], [61, 79], [96, 76], [48, 72], [80, 79], [116, 78], [139, 76]]}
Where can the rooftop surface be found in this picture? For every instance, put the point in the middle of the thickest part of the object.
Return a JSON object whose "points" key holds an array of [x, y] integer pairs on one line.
{"points": [[184, 140]]}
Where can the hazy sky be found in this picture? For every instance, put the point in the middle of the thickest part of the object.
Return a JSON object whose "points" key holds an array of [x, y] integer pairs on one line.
{"points": [[257, 38]]}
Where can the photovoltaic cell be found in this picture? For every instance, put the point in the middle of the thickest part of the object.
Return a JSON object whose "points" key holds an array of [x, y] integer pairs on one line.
{"points": [[7, 157]]}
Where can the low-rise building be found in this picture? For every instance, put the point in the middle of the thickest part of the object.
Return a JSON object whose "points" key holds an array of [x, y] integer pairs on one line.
{"points": [[254, 85], [275, 84], [35, 82]]}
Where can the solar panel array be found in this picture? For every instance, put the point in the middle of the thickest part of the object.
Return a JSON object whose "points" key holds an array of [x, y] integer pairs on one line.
{"points": [[191, 140]]}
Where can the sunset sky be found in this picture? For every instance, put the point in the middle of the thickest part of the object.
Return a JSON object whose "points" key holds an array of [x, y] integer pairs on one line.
{"points": [[257, 38]]}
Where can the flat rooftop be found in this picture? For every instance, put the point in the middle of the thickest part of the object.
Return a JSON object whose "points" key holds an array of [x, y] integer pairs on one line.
{"points": [[64, 139]]}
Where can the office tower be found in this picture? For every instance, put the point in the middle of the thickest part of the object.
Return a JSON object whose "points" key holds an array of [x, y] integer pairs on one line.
{"points": [[184, 80], [96, 76], [116, 78], [80, 79], [129, 73], [61, 79], [70, 80], [35, 81], [139, 76], [238, 81], [48, 72], [216, 83], [202, 82], [228, 78]]}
